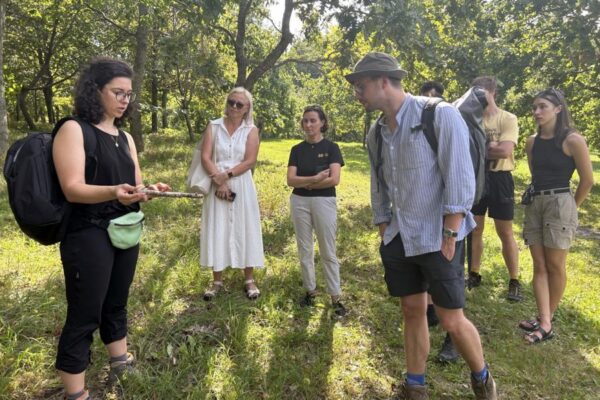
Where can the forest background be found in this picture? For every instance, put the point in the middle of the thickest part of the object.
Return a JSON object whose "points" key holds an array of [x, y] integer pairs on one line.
{"points": [[188, 53]]}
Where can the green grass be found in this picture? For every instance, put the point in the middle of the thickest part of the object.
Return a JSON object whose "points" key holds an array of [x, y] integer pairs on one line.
{"points": [[271, 348]]}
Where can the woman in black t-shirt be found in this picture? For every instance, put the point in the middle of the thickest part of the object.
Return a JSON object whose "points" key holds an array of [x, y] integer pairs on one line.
{"points": [[554, 153], [314, 172]]}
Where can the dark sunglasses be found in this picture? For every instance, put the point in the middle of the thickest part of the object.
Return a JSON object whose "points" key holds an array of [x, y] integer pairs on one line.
{"points": [[235, 104]]}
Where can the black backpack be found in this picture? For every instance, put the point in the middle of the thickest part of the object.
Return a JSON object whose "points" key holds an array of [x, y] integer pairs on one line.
{"points": [[34, 193], [471, 106]]}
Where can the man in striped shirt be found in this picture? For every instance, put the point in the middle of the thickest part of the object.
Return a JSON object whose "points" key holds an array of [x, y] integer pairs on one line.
{"points": [[421, 203]]}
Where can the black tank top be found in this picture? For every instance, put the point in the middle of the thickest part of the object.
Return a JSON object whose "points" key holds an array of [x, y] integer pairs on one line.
{"points": [[114, 166], [551, 167]]}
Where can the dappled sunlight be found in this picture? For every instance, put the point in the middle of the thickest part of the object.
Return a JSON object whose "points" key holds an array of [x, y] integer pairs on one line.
{"points": [[272, 348]]}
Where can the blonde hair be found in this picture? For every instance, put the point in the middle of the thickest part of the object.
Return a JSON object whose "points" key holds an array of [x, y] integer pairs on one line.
{"points": [[248, 117]]}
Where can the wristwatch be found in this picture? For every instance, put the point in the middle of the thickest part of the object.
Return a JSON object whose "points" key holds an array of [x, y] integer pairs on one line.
{"points": [[449, 233], [229, 174]]}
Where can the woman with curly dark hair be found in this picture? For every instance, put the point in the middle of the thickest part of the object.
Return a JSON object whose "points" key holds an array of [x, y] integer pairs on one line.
{"points": [[98, 270], [554, 153]]}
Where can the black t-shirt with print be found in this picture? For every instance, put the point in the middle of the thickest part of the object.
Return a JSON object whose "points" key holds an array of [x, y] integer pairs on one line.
{"points": [[310, 159]]}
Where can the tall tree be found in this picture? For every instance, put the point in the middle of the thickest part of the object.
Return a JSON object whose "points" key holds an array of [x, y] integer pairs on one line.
{"points": [[139, 66], [47, 40], [3, 111]]}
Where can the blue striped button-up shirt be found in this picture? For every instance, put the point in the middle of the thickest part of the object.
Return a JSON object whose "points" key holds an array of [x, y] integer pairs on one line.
{"points": [[418, 187]]}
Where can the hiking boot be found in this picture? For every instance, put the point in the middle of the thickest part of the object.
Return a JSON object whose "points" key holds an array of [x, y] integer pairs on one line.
{"points": [[432, 318], [308, 300], [338, 309], [485, 390], [448, 353], [473, 280], [514, 290], [411, 392]]}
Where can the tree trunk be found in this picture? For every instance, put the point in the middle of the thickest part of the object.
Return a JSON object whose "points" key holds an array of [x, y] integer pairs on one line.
{"points": [[163, 105], [36, 108], [3, 111], [154, 90], [22, 102], [139, 63], [188, 122], [269, 61], [49, 100]]}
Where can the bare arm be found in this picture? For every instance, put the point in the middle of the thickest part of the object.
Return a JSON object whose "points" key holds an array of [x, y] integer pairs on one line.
{"points": [[69, 160], [528, 150], [332, 180], [249, 161], [577, 148], [206, 151], [452, 222], [500, 150], [296, 181]]}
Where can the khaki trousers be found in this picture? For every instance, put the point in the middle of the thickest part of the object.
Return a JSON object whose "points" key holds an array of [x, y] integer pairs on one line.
{"points": [[318, 214]]}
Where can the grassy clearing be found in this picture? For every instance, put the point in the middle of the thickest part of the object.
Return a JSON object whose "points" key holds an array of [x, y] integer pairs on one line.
{"points": [[272, 349]]}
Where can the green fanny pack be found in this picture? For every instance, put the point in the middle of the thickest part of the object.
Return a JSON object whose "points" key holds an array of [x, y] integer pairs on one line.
{"points": [[125, 231]]}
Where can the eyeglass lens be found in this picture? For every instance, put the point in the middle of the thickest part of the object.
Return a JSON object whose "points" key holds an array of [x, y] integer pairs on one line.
{"points": [[122, 96]]}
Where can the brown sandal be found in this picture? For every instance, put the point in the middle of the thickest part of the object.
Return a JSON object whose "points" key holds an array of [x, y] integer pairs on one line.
{"points": [[253, 293], [213, 290]]}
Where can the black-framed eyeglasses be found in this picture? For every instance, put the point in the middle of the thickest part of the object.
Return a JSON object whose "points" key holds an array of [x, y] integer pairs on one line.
{"points": [[235, 104], [121, 95]]}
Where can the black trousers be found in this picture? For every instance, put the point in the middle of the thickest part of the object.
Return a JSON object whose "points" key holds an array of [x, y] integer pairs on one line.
{"points": [[97, 281]]}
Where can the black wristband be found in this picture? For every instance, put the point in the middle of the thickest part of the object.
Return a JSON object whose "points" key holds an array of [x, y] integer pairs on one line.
{"points": [[230, 174]]}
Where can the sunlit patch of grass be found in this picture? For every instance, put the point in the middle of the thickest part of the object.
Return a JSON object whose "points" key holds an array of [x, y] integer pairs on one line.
{"points": [[271, 348]]}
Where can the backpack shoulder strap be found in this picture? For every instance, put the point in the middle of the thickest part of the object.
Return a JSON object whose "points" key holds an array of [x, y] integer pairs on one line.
{"points": [[90, 142], [379, 156], [378, 138], [427, 117], [89, 135]]}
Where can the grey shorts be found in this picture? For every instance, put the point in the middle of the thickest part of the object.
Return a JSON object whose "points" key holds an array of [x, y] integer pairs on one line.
{"points": [[551, 220]]}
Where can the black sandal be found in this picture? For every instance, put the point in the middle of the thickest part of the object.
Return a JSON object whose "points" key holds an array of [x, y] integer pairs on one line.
{"points": [[532, 338], [530, 325], [75, 396]]}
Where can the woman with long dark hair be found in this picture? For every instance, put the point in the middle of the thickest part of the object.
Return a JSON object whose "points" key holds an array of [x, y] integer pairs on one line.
{"points": [[314, 171], [97, 273], [553, 153]]}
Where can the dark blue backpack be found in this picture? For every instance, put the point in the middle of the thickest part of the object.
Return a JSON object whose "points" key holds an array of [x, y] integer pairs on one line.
{"points": [[34, 193]]}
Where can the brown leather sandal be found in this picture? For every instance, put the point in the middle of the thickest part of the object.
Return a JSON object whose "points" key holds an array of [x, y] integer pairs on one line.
{"points": [[213, 290]]}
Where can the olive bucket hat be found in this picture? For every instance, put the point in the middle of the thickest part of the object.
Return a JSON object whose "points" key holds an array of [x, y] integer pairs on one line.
{"points": [[376, 64]]}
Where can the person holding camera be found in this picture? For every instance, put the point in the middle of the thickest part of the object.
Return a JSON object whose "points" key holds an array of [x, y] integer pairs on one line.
{"points": [[230, 227], [314, 171]]}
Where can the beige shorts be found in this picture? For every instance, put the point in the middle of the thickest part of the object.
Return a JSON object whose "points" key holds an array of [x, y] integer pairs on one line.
{"points": [[551, 220]]}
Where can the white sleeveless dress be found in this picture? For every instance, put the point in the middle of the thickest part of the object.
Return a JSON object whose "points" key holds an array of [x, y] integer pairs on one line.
{"points": [[230, 232]]}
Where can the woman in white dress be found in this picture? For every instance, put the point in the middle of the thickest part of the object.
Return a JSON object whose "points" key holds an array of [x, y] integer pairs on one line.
{"points": [[230, 229]]}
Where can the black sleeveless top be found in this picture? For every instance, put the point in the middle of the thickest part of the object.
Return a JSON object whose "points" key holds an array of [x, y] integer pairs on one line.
{"points": [[114, 166], [551, 167]]}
